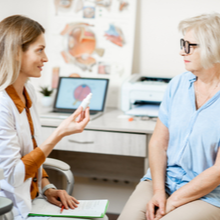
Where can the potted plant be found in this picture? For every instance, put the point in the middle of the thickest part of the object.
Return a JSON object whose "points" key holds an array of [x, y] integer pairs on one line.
{"points": [[47, 99]]}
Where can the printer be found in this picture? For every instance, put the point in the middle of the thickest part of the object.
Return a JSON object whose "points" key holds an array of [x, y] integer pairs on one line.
{"points": [[142, 90]]}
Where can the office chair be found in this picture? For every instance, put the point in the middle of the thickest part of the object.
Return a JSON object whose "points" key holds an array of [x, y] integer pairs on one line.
{"points": [[6, 204], [64, 168]]}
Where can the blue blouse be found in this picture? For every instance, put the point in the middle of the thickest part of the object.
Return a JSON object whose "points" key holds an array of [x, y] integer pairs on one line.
{"points": [[194, 135]]}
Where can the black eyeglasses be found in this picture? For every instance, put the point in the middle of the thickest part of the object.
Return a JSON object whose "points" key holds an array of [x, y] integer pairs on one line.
{"points": [[186, 45]]}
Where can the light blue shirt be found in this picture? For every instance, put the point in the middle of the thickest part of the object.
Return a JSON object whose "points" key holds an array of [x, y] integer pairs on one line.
{"points": [[194, 135]]}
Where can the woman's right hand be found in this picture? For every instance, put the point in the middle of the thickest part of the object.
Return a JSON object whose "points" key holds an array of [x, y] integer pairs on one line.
{"points": [[156, 206], [75, 123]]}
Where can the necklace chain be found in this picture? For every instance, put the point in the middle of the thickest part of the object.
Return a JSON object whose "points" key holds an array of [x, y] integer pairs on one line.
{"points": [[198, 94]]}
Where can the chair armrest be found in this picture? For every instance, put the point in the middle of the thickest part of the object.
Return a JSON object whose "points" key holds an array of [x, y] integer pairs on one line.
{"points": [[62, 167], [56, 163]]}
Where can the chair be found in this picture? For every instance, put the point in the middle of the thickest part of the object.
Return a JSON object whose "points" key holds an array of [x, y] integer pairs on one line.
{"points": [[6, 204], [53, 164], [64, 168]]}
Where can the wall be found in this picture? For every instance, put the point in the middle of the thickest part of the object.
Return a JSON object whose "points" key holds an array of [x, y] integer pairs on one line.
{"points": [[157, 38], [35, 9], [156, 44]]}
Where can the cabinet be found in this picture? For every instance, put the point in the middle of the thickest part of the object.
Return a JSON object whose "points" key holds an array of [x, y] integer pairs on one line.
{"points": [[111, 151], [103, 142]]}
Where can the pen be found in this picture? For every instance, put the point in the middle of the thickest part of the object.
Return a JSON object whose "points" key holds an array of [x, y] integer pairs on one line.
{"points": [[61, 210]]}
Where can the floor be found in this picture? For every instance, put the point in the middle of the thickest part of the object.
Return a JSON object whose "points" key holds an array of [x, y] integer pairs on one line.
{"points": [[112, 216]]}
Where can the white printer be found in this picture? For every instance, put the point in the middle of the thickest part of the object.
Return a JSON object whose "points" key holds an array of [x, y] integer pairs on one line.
{"points": [[138, 89]]}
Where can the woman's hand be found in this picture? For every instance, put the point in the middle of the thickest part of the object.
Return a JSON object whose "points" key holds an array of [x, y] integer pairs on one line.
{"points": [[61, 197], [156, 206], [75, 123], [169, 206]]}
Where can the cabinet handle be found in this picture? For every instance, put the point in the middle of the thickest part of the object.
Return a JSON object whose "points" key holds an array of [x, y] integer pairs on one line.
{"points": [[81, 142]]}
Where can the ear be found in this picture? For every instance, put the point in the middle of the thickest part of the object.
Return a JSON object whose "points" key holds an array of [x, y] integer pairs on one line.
{"points": [[19, 54]]}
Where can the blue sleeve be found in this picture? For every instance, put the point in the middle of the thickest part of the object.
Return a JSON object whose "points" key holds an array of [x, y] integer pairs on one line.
{"points": [[174, 85], [164, 110]]}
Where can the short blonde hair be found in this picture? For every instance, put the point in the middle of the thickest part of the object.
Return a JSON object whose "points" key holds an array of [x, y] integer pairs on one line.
{"points": [[16, 34], [206, 29]]}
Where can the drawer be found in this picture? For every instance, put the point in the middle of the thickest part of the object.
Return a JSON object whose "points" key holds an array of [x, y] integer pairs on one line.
{"points": [[104, 142]]}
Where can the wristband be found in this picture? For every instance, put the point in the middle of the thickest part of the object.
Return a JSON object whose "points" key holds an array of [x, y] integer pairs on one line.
{"points": [[49, 186]]}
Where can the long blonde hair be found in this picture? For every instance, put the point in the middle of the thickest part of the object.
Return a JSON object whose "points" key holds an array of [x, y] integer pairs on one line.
{"points": [[17, 32], [206, 29]]}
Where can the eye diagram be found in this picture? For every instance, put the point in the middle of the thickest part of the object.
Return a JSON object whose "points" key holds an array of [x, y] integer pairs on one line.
{"points": [[79, 45], [81, 92], [115, 35]]}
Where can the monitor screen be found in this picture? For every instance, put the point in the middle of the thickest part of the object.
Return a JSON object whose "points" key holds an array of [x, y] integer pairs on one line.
{"points": [[71, 91]]}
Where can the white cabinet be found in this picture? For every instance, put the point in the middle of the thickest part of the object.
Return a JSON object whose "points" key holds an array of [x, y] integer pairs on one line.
{"points": [[103, 142], [109, 156]]}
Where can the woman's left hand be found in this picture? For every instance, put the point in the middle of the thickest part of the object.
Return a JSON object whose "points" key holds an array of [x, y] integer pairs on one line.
{"points": [[61, 197], [169, 207]]}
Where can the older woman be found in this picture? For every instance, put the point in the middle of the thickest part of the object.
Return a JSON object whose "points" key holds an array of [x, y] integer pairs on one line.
{"points": [[184, 176]]}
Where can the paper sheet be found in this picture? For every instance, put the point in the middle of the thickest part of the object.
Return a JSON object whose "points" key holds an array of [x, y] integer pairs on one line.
{"points": [[144, 110], [38, 218], [86, 208], [54, 218]]}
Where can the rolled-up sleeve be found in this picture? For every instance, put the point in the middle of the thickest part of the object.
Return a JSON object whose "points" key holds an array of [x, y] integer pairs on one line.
{"points": [[32, 162], [164, 109]]}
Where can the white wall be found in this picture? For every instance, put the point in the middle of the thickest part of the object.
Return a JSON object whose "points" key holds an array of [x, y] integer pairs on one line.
{"points": [[156, 39], [35, 9]]}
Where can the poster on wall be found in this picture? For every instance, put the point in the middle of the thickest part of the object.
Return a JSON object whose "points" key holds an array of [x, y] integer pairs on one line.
{"points": [[91, 38]]}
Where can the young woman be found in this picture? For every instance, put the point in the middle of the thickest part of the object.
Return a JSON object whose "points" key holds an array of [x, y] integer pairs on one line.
{"points": [[22, 153]]}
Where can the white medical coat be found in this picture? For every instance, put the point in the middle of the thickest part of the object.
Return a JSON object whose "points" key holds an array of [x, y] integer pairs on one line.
{"points": [[15, 142]]}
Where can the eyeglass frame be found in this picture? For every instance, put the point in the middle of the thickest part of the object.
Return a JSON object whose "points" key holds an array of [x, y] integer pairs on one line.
{"points": [[183, 45]]}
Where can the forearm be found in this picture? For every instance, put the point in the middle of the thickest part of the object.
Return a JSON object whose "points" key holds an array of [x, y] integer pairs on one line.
{"points": [[200, 186], [44, 182], [158, 161], [158, 157], [48, 145]]}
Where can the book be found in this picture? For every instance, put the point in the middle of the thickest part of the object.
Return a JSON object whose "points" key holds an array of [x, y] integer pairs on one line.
{"points": [[85, 209]]}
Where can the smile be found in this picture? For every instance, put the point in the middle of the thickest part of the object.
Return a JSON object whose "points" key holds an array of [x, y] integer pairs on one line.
{"points": [[40, 67]]}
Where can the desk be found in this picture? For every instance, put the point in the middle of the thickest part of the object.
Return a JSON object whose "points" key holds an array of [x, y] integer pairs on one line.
{"points": [[110, 148]]}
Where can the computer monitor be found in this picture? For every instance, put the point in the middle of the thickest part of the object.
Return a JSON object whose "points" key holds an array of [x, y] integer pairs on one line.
{"points": [[71, 91]]}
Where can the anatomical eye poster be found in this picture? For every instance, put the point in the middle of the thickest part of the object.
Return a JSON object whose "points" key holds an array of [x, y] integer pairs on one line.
{"points": [[91, 38]]}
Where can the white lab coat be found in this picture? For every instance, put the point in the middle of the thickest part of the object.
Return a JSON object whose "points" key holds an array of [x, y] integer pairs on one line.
{"points": [[15, 142]]}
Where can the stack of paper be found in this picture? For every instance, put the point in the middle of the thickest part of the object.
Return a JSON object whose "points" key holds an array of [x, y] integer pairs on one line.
{"points": [[86, 209], [144, 110]]}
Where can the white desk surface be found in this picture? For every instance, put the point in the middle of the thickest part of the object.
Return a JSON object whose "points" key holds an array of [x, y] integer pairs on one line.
{"points": [[110, 121]]}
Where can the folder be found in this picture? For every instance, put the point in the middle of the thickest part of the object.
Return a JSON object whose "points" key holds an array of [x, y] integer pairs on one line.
{"points": [[85, 209]]}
